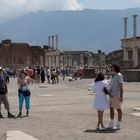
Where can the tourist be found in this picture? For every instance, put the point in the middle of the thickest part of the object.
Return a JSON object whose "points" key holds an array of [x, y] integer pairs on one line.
{"points": [[63, 73], [48, 74], [53, 76], [23, 92], [3, 95], [116, 97], [38, 71], [42, 74], [100, 101]]}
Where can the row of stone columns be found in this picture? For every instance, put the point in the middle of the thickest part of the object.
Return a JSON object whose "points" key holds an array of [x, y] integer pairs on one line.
{"points": [[134, 48], [51, 42], [65, 60], [134, 27], [53, 61]]}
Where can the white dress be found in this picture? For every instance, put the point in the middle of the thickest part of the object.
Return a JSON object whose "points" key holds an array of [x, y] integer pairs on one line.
{"points": [[100, 102]]}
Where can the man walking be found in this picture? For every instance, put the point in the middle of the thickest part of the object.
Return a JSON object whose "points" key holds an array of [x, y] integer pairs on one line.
{"points": [[116, 97], [3, 95]]}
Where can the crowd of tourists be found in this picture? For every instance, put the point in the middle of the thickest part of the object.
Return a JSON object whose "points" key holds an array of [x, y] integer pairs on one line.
{"points": [[26, 76], [102, 88]]}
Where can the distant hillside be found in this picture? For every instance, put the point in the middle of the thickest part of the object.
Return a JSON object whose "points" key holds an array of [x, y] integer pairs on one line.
{"points": [[78, 30]]}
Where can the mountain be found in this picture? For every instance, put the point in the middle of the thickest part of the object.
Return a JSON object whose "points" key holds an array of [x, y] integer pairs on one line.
{"points": [[78, 30]]}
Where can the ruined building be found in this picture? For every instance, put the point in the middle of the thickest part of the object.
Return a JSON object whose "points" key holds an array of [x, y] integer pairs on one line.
{"points": [[131, 46]]}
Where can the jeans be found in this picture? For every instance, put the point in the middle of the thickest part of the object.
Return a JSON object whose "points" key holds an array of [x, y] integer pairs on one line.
{"points": [[22, 97]]}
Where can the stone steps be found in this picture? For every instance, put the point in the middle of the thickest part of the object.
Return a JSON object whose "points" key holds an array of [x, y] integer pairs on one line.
{"points": [[18, 135]]}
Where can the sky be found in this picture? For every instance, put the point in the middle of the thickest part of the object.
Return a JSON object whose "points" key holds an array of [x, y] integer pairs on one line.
{"points": [[12, 8]]}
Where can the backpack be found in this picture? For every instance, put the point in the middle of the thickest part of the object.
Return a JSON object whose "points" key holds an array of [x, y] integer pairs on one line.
{"points": [[3, 86]]}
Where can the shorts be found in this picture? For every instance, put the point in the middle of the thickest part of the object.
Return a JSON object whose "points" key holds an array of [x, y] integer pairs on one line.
{"points": [[114, 102]]}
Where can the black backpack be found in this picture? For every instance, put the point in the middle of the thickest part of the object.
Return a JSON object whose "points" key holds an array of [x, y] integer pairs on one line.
{"points": [[3, 86]]}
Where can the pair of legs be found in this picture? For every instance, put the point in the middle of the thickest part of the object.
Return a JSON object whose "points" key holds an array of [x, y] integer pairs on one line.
{"points": [[115, 104], [100, 118], [22, 97], [48, 77], [112, 114], [4, 100]]}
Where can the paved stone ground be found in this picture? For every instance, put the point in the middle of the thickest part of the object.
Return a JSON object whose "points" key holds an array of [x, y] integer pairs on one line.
{"points": [[64, 112]]}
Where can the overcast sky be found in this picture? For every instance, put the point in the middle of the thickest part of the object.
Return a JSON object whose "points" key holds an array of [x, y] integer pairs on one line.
{"points": [[13, 8]]}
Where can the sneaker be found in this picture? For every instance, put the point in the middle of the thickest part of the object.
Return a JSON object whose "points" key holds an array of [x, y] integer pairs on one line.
{"points": [[117, 127], [1, 116], [19, 115], [11, 115], [111, 125]]}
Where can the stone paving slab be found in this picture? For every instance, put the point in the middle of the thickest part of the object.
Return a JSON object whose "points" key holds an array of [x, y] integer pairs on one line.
{"points": [[136, 114], [18, 135], [136, 109]]}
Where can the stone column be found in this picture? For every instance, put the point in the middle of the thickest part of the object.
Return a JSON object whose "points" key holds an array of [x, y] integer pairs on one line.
{"points": [[135, 56], [82, 59], [134, 26], [61, 60], [90, 60], [70, 60], [56, 42], [50, 61], [125, 27], [57, 61], [28, 60], [53, 61], [49, 41], [41, 61], [46, 59], [53, 42], [125, 54]]}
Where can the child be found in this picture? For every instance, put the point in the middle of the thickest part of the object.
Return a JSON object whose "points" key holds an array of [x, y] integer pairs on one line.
{"points": [[100, 100]]}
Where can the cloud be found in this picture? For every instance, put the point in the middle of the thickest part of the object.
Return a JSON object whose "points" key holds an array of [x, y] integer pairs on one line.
{"points": [[13, 8]]}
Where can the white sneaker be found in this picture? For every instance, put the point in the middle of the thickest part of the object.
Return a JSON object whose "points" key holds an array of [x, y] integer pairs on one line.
{"points": [[117, 126], [111, 125]]}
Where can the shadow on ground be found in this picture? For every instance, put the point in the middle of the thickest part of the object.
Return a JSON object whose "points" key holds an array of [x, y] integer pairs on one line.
{"points": [[101, 131]]}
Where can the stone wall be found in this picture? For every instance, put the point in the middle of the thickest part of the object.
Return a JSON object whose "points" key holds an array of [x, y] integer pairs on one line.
{"points": [[131, 75]]}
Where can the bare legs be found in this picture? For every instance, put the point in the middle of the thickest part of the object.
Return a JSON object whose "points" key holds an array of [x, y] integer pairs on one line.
{"points": [[119, 114], [100, 119]]}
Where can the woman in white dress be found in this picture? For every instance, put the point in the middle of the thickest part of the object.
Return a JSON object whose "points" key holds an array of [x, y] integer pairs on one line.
{"points": [[100, 100]]}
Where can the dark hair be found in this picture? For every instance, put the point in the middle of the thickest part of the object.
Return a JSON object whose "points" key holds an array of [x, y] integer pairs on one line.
{"points": [[100, 77], [116, 68]]}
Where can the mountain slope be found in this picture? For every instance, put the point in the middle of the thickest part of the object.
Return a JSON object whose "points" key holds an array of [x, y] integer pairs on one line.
{"points": [[78, 30]]}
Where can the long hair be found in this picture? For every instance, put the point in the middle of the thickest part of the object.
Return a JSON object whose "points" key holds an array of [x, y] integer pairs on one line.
{"points": [[100, 77]]}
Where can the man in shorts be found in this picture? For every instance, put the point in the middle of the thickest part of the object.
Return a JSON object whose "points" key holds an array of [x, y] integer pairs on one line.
{"points": [[116, 97]]}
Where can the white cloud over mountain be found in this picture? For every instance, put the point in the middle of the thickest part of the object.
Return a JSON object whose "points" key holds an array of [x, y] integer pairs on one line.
{"points": [[13, 8]]}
